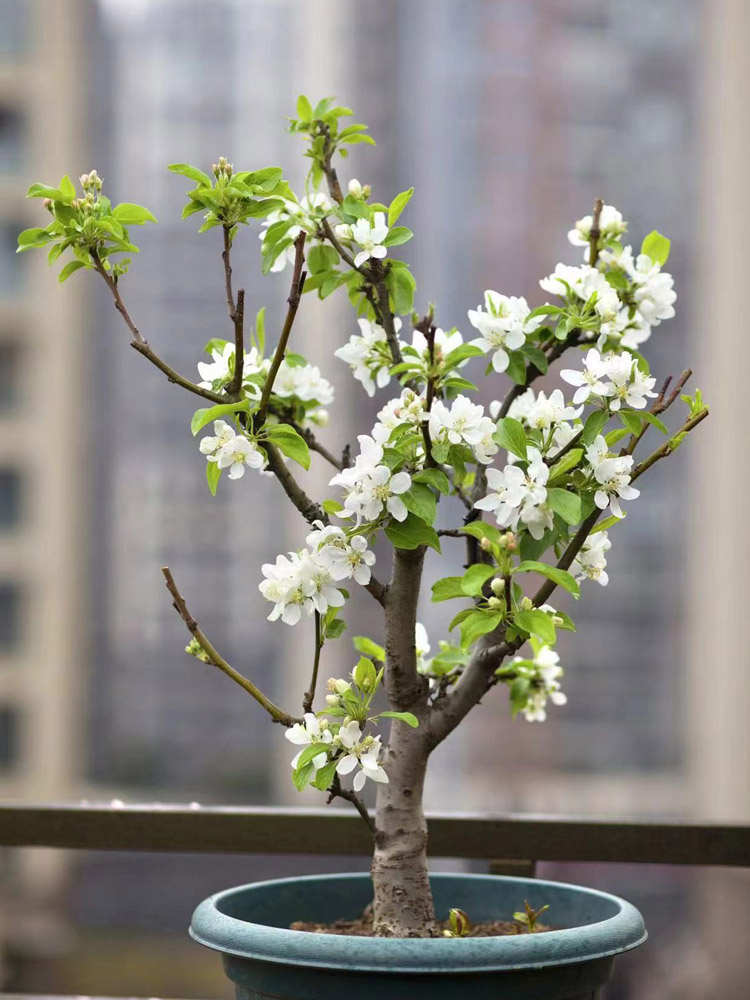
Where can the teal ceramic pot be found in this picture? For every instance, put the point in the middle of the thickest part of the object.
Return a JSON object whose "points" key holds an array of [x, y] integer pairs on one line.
{"points": [[249, 926]]}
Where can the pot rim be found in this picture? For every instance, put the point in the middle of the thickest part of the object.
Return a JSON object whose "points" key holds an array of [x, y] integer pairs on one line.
{"points": [[279, 945]]}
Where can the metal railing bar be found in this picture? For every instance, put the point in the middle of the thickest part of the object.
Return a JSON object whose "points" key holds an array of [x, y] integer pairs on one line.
{"points": [[337, 832]]}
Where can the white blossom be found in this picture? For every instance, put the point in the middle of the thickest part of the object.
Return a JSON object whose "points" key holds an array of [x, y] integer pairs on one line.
{"points": [[369, 355], [612, 473], [503, 324], [611, 227], [591, 561], [298, 583], [231, 450], [547, 411], [408, 408], [222, 364], [654, 291], [370, 486], [370, 236], [515, 493], [443, 345], [591, 380], [628, 384], [223, 434], [305, 215], [345, 559], [544, 672], [583, 282], [364, 751], [311, 730], [463, 422], [303, 381]]}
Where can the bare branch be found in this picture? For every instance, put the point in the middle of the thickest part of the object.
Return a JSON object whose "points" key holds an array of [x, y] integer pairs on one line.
{"points": [[309, 696], [338, 791], [295, 293], [216, 660], [308, 508]]}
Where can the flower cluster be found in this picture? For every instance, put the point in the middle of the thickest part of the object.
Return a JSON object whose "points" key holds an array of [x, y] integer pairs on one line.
{"points": [[591, 561], [304, 382], [370, 237], [369, 355], [231, 450], [611, 228], [345, 744], [540, 682], [612, 476], [296, 216], [370, 486], [463, 422], [517, 495], [503, 324], [305, 581], [549, 416], [611, 380], [407, 410], [216, 373]]}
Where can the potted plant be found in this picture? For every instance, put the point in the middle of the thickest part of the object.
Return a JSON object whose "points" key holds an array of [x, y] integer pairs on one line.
{"points": [[535, 483]]}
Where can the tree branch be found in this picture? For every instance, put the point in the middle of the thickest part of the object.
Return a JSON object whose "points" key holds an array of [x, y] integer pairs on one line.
{"points": [[309, 696], [595, 233], [216, 660], [295, 293], [308, 508], [140, 344], [337, 791]]}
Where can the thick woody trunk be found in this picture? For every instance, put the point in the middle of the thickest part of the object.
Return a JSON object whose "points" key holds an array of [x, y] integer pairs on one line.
{"points": [[403, 901]]}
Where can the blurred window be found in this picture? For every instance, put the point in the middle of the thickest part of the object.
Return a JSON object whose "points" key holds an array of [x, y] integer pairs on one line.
{"points": [[11, 140], [11, 266], [10, 498], [14, 28], [10, 370], [8, 736], [10, 615]]}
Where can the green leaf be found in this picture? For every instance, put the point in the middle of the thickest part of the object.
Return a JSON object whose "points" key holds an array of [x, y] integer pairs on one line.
{"points": [[536, 357], [398, 204], [192, 172], [397, 236], [566, 504], [654, 421], [475, 578], [448, 588], [401, 287], [480, 530], [70, 268], [302, 775], [324, 776], [213, 475], [607, 523], [569, 461], [332, 506], [290, 443], [477, 624], [516, 369], [462, 353], [559, 576], [45, 191], [408, 717], [420, 500], [264, 179], [304, 109], [354, 139], [511, 436], [435, 478], [205, 416], [132, 215], [412, 533], [365, 674], [656, 247], [369, 648], [630, 420], [595, 423], [321, 258], [537, 623], [310, 752], [34, 237], [335, 628]]}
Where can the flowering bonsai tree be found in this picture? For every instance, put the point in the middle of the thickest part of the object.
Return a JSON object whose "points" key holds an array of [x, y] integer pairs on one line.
{"points": [[538, 476]]}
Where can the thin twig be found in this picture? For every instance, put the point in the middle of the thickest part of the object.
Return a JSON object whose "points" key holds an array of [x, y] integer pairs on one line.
{"points": [[295, 293], [338, 247], [234, 387], [595, 233], [337, 791], [308, 508], [661, 403], [329, 170], [140, 344], [216, 660], [309, 696]]}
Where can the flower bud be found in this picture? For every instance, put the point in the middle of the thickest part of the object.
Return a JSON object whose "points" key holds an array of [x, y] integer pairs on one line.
{"points": [[510, 541], [497, 586], [527, 604], [355, 188], [331, 684], [366, 191], [343, 232], [332, 700], [495, 602], [485, 545], [47, 204], [557, 620], [342, 686]]}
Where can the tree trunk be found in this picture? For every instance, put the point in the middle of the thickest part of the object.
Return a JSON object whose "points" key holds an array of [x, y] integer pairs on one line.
{"points": [[403, 900]]}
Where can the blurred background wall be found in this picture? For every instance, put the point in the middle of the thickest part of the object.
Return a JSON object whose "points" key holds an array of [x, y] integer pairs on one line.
{"points": [[509, 117]]}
